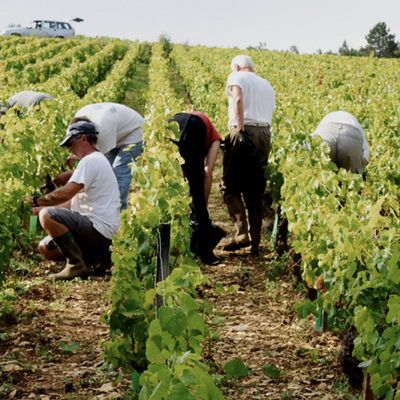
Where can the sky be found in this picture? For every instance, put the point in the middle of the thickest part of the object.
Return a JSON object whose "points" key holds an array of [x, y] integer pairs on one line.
{"points": [[308, 24]]}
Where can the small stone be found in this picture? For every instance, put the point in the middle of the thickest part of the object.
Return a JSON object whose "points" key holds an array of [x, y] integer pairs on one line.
{"points": [[15, 350], [11, 367], [114, 395], [107, 387]]}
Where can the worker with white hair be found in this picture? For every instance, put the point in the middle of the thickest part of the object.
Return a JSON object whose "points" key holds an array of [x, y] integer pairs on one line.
{"points": [[247, 146]]}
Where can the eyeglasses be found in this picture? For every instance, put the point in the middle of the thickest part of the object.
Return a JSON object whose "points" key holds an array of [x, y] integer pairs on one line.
{"points": [[71, 142]]}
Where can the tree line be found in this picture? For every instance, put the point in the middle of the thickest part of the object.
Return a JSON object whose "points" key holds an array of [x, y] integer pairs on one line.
{"points": [[380, 43]]}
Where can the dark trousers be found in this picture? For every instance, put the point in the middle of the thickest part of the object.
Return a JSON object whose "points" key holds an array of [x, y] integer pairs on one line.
{"points": [[192, 146], [244, 169]]}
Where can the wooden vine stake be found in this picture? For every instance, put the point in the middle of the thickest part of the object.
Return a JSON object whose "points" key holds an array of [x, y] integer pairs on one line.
{"points": [[367, 391], [324, 321], [164, 239]]}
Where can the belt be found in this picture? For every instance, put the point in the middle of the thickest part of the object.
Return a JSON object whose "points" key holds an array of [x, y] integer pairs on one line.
{"points": [[254, 124]]}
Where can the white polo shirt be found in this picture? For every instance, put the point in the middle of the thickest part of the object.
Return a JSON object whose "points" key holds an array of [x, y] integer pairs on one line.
{"points": [[258, 98]]}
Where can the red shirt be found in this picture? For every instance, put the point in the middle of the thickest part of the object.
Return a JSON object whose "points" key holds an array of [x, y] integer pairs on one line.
{"points": [[211, 134]]}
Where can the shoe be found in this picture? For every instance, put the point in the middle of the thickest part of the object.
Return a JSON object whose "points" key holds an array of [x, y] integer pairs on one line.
{"points": [[234, 245], [217, 233], [210, 258]]}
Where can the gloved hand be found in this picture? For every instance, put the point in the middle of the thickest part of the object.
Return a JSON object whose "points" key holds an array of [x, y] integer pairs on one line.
{"points": [[245, 141]]}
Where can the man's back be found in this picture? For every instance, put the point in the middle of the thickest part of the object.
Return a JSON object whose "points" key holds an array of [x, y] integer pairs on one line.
{"points": [[27, 98], [258, 97], [115, 124]]}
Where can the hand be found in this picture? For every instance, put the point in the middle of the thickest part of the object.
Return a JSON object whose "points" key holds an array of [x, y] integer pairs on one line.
{"points": [[71, 160], [29, 200], [36, 210], [63, 178], [245, 141]]}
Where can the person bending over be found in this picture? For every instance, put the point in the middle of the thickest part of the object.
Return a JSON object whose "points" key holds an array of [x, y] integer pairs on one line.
{"points": [[199, 143]]}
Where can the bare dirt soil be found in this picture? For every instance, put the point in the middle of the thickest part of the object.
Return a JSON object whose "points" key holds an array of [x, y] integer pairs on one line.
{"points": [[51, 349]]}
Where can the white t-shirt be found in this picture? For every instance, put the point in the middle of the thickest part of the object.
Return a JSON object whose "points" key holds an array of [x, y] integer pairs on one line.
{"points": [[99, 199], [117, 124], [343, 117], [258, 98]]}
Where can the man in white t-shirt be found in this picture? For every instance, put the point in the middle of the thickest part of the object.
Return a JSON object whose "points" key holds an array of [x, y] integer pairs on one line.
{"points": [[119, 127], [247, 145], [87, 215], [346, 139]]}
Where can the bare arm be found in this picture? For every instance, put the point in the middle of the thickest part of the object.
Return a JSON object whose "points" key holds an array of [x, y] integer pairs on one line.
{"points": [[208, 169], [63, 178], [59, 196], [36, 210], [238, 107]]}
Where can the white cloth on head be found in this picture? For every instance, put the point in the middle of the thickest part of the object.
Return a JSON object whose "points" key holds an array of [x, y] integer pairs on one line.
{"points": [[99, 199], [343, 117], [117, 124], [258, 98]]}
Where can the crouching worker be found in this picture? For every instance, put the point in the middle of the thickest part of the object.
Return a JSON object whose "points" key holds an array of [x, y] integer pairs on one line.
{"points": [[346, 139], [200, 141], [81, 217]]}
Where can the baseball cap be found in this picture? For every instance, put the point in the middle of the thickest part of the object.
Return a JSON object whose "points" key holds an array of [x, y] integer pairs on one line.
{"points": [[79, 128]]}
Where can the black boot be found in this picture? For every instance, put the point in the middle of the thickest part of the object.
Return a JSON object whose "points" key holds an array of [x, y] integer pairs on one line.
{"points": [[70, 249], [217, 234], [201, 243]]}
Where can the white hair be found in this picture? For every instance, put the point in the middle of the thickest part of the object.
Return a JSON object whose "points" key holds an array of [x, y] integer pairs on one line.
{"points": [[242, 61]]}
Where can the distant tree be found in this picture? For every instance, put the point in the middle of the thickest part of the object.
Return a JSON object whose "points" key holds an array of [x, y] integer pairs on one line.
{"points": [[344, 50], [261, 46], [381, 43], [294, 49], [167, 45], [14, 26], [331, 52], [319, 51]]}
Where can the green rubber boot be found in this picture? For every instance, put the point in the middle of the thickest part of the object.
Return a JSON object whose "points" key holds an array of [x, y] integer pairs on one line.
{"points": [[70, 249]]}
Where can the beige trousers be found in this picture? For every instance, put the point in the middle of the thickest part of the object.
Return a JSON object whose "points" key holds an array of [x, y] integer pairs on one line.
{"points": [[345, 143]]}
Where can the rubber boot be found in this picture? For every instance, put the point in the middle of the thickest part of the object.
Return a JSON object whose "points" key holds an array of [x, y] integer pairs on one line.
{"points": [[194, 237], [201, 243], [217, 234], [237, 214], [70, 249], [269, 213], [255, 221], [204, 246]]}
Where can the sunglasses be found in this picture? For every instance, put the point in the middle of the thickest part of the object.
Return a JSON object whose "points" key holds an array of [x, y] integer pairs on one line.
{"points": [[70, 141]]}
